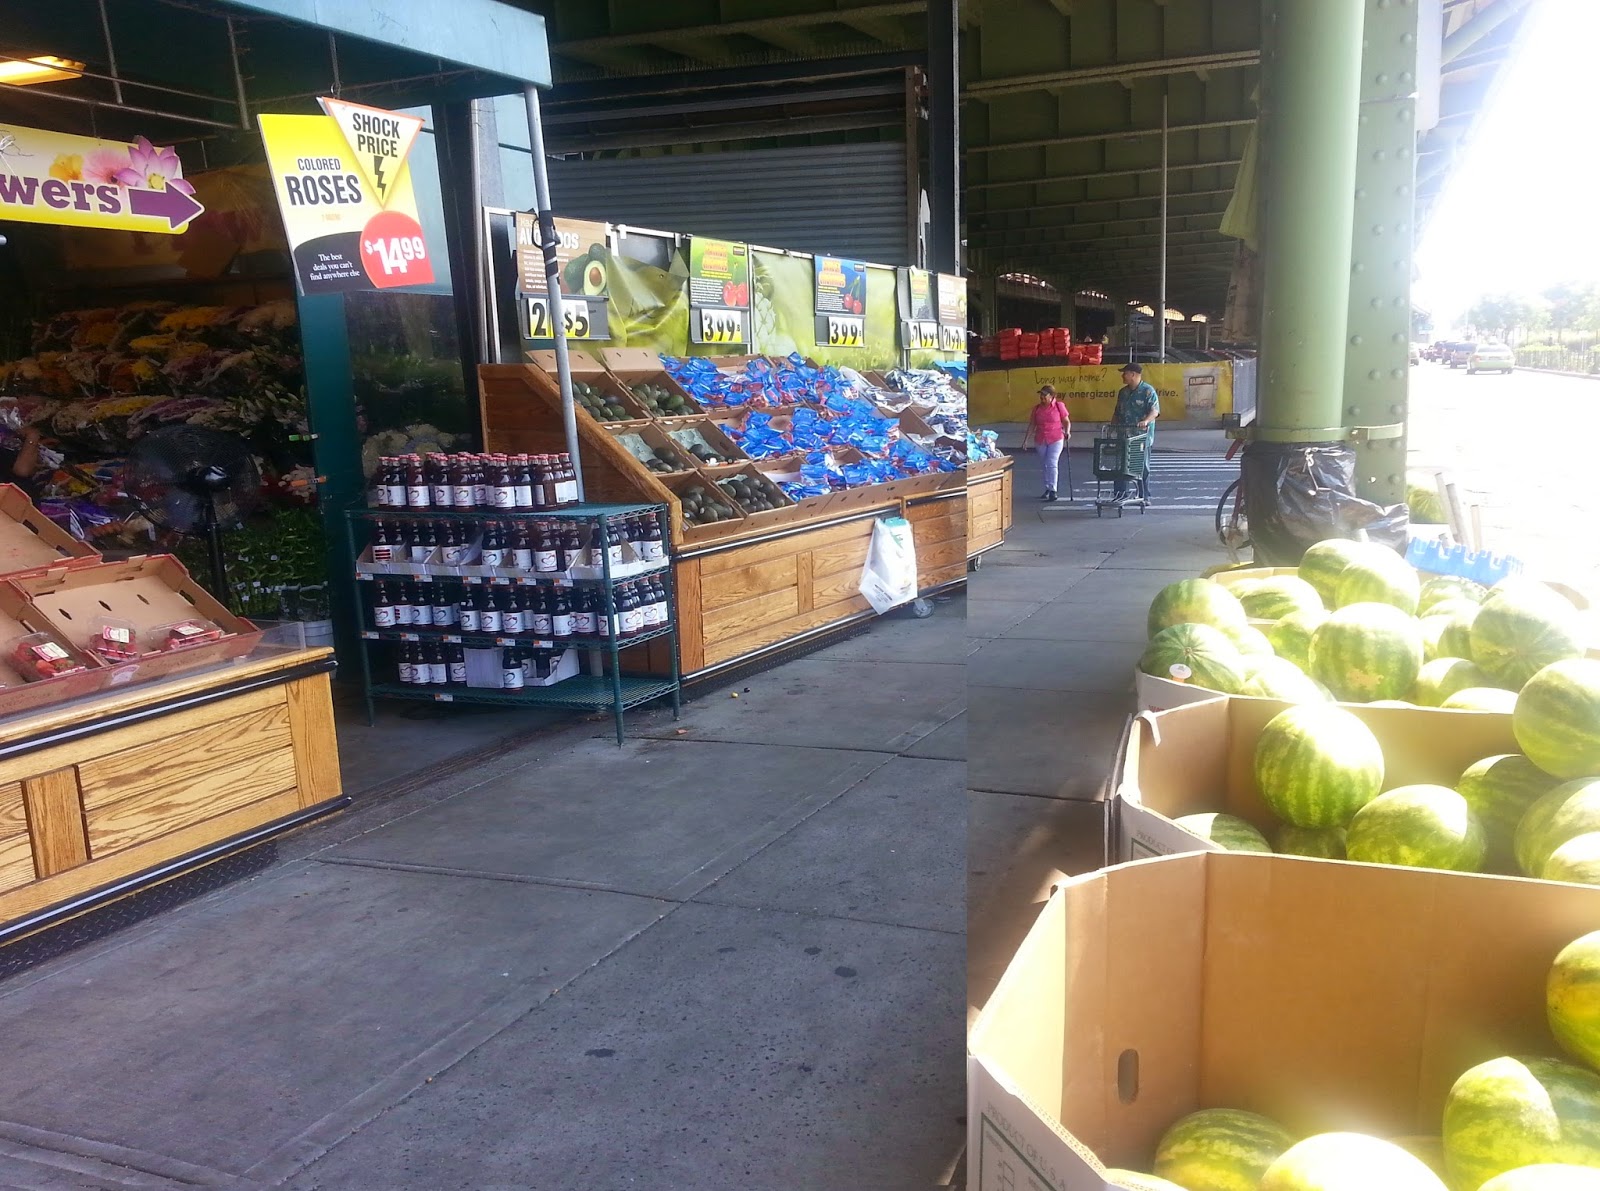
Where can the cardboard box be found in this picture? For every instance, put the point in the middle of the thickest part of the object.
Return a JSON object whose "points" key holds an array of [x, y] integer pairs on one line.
{"points": [[1327, 996], [31, 542], [637, 365], [1202, 758], [590, 371], [20, 694]]}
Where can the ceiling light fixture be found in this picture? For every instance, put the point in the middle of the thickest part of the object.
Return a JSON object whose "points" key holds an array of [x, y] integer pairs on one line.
{"points": [[25, 72]]}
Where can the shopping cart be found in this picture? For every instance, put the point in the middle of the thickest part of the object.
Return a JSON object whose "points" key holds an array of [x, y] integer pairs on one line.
{"points": [[1121, 453]]}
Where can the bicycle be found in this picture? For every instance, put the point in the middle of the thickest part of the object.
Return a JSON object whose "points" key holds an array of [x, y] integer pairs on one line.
{"points": [[1233, 526]]}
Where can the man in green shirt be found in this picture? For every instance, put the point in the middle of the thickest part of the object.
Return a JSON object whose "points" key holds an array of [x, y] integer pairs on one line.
{"points": [[1138, 407]]}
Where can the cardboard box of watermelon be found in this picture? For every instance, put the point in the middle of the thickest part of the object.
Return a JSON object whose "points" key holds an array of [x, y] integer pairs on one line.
{"points": [[1312, 1013]]}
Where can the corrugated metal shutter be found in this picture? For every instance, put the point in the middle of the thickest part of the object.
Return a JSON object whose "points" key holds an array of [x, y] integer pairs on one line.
{"points": [[844, 200]]}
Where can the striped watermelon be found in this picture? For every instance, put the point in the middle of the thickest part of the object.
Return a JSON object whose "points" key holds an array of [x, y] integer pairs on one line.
{"points": [[1547, 1176], [1418, 827], [1577, 861], [1557, 721], [1377, 575], [1290, 637], [1278, 678], [1275, 598], [1324, 843], [1195, 601], [1449, 587], [1570, 810], [1220, 1149], [1323, 563], [1367, 651], [1514, 1112], [1427, 1146], [1499, 790], [1228, 832], [1483, 698], [1443, 677], [1523, 627], [1316, 766], [1572, 998], [1349, 1162], [1211, 657], [1249, 640], [1132, 1180], [1447, 630]]}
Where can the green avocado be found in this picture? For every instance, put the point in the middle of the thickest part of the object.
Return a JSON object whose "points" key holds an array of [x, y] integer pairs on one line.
{"points": [[572, 276], [594, 278]]}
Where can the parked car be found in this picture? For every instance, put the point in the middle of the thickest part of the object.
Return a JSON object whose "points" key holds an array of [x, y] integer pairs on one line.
{"points": [[1460, 353], [1491, 357], [1416, 354]]}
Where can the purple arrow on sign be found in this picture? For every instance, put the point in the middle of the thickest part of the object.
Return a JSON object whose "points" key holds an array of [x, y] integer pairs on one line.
{"points": [[174, 206]]}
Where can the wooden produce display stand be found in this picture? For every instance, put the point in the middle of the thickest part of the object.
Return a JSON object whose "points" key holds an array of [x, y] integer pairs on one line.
{"points": [[754, 582], [988, 505]]}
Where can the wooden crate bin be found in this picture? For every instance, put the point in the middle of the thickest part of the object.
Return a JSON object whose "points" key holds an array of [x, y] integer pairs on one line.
{"points": [[591, 372], [683, 433], [762, 518], [635, 366], [656, 438], [684, 534]]}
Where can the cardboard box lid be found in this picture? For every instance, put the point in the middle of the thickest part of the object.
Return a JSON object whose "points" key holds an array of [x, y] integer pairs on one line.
{"points": [[149, 592], [580, 362], [631, 359], [1326, 996], [29, 539]]}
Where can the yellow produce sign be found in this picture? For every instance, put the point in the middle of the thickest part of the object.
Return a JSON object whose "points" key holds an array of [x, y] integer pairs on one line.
{"points": [[78, 181], [343, 183]]}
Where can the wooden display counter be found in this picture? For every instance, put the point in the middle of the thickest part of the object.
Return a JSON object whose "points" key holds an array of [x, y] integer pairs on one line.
{"points": [[776, 579], [105, 795]]}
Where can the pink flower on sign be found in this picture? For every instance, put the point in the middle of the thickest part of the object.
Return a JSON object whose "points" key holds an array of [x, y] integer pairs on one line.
{"points": [[103, 166], [153, 168]]}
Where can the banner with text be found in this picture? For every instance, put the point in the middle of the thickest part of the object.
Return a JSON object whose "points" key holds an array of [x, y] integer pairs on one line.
{"points": [[840, 291], [919, 330], [952, 313], [719, 291], [1189, 392], [343, 183], [79, 181], [583, 274]]}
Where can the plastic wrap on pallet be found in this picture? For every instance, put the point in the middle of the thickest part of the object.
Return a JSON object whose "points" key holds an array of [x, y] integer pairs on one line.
{"points": [[1299, 494]]}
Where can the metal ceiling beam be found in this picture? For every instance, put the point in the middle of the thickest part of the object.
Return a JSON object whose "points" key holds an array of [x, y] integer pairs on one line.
{"points": [[1112, 134], [1115, 72], [712, 133], [1087, 211], [1029, 208], [1047, 180], [805, 20], [1091, 233]]}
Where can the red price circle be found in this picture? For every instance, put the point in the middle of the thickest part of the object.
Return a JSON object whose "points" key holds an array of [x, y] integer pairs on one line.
{"points": [[393, 252]]}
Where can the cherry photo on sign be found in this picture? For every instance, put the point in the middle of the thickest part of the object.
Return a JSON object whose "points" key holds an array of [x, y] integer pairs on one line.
{"points": [[393, 252]]}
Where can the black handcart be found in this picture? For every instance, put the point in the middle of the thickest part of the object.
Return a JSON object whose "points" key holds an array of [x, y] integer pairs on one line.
{"points": [[1122, 453]]}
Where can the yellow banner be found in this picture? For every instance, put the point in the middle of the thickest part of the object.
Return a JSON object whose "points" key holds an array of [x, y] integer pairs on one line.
{"points": [[342, 234], [78, 181], [1189, 392]]}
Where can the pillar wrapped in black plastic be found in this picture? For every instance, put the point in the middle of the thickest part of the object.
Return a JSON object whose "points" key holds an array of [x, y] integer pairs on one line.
{"points": [[1299, 494]]}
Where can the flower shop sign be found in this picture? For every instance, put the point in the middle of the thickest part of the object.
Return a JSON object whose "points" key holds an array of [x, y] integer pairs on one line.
{"points": [[343, 182], [79, 181]]}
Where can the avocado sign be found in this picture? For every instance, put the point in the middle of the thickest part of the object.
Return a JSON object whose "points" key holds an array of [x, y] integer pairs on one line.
{"points": [[583, 264]]}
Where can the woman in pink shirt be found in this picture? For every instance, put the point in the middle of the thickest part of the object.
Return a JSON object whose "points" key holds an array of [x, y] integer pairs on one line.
{"points": [[1049, 427]]}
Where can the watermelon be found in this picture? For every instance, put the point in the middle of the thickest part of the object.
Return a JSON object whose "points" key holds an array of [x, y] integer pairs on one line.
{"points": [[1443, 677], [1228, 832], [1483, 698], [1132, 1180], [1367, 651], [1572, 998], [1566, 812], [1377, 575], [1249, 640], [1513, 1112], [1523, 627], [1547, 1176], [1557, 721], [1449, 587], [1577, 861], [1273, 599], [1213, 661], [1499, 790], [1195, 601], [1316, 766], [1427, 1146], [1220, 1149], [1451, 606], [1324, 843], [1422, 500], [1322, 564], [1418, 827], [1277, 678], [1447, 630], [1349, 1162], [1290, 637]]}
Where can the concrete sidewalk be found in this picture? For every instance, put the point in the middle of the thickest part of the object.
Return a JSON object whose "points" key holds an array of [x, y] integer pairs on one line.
{"points": [[1055, 625], [728, 955]]}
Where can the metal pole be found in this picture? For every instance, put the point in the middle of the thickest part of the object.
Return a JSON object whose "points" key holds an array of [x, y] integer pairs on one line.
{"points": [[944, 136], [1311, 104], [111, 51], [547, 237], [1161, 314]]}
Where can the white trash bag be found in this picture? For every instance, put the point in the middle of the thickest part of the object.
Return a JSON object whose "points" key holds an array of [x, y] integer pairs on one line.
{"points": [[890, 577]]}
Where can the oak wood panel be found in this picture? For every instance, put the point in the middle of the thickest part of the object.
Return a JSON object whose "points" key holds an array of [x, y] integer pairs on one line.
{"points": [[841, 556], [743, 556], [171, 807], [691, 624], [771, 633], [805, 582], [50, 890], [184, 757], [986, 526], [942, 555], [315, 740], [16, 849], [55, 821], [739, 619], [733, 586], [830, 589]]}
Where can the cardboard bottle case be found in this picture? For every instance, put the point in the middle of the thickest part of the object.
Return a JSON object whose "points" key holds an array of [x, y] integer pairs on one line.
{"points": [[1201, 757], [1327, 996]]}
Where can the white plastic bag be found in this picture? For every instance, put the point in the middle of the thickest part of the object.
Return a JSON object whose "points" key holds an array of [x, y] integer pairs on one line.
{"points": [[890, 577]]}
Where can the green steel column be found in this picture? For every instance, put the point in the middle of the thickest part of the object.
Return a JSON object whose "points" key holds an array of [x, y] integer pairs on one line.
{"points": [[1311, 87]]}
